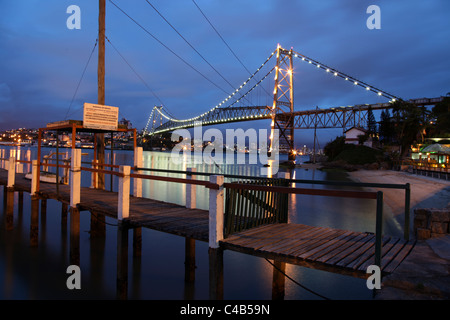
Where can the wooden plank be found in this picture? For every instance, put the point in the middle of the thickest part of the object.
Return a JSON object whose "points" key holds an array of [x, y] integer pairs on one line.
{"points": [[238, 235], [395, 262], [291, 235], [317, 242], [300, 236], [309, 241], [349, 251], [275, 236], [326, 245], [255, 237], [387, 246], [335, 246]]}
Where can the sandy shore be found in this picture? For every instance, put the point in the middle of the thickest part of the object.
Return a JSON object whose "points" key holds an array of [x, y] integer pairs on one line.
{"points": [[425, 192]]}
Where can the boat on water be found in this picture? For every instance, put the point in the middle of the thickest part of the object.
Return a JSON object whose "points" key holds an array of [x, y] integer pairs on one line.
{"points": [[46, 176]]}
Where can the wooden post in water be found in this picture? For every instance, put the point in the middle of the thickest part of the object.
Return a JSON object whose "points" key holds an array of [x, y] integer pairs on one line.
{"points": [[215, 273], [9, 208], [189, 260], [34, 223], [122, 261], [278, 280]]}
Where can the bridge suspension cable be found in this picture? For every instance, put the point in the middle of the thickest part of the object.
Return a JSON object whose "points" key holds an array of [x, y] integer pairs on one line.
{"points": [[221, 104], [344, 76]]}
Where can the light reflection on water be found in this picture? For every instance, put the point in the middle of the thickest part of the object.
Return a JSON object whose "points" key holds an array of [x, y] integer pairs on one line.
{"points": [[40, 273]]}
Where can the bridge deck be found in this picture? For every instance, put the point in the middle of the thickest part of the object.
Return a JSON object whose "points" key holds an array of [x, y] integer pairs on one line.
{"points": [[314, 247]]}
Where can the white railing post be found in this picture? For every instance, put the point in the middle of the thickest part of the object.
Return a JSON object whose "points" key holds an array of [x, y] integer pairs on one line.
{"points": [[11, 172], [75, 178], [191, 195], [123, 209], [94, 175], [34, 176], [216, 202], [138, 163]]}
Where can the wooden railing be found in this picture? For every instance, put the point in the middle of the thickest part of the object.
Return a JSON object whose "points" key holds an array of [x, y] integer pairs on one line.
{"points": [[247, 208]]}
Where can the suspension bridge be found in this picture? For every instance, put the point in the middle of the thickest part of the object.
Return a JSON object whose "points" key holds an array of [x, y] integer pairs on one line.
{"points": [[238, 106]]}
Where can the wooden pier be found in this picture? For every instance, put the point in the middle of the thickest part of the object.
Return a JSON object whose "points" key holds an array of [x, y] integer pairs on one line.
{"points": [[341, 251]]}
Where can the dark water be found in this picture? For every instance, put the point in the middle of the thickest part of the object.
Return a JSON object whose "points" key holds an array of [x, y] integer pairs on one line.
{"points": [[40, 273]]}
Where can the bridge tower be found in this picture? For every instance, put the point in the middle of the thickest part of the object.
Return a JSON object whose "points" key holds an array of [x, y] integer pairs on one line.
{"points": [[283, 103]]}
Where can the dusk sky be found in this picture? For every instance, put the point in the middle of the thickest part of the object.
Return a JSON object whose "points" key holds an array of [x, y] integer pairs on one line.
{"points": [[42, 61]]}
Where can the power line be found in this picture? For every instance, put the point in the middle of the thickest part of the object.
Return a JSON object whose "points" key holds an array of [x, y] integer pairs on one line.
{"points": [[223, 40], [79, 82], [165, 46], [135, 72], [200, 55], [296, 282]]}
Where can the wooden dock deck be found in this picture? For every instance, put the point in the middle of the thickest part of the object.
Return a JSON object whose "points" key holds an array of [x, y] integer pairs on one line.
{"points": [[328, 249], [333, 250]]}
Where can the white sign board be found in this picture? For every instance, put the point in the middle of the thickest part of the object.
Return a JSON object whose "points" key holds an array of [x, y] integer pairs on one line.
{"points": [[97, 116]]}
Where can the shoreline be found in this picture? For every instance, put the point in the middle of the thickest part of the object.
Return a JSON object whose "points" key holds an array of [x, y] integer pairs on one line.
{"points": [[426, 192]]}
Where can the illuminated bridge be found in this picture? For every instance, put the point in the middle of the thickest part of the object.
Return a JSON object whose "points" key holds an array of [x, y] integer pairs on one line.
{"points": [[238, 106]]}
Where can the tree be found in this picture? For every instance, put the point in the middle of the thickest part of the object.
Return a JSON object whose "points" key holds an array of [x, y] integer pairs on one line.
{"points": [[410, 123], [333, 148], [371, 123], [441, 117], [385, 128]]}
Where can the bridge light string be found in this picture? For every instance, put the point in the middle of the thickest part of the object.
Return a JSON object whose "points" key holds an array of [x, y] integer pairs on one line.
{"points": [[229, 97], [344, 76]]}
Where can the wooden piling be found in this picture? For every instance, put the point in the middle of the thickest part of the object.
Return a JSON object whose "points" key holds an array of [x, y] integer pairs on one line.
{"points": [[137, 242], [189, 260], [278, 280], [74, 254], [9, 209], [215, 273], [34, 223], [122, 261]]}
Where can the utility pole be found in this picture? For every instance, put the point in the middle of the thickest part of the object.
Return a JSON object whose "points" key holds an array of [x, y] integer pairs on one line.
{"points": [[100, 137]]}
